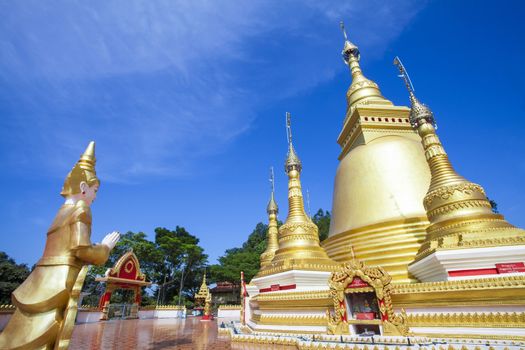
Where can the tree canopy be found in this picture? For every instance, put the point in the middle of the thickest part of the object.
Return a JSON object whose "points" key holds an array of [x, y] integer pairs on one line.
{"points": [[174, 257], [11, 276], [322, 220], [247, 257]]}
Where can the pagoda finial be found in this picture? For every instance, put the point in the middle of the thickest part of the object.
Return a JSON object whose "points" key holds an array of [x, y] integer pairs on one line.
{"points": [[292, 160], [419, 111], [362, 89], [272, 207], [349, 48]]}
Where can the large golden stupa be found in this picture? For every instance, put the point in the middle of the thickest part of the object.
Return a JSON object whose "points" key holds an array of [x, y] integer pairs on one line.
{"points": [[413, 249], [381, 179]]}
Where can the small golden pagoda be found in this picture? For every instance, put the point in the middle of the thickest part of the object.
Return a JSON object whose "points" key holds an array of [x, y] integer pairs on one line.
{"points": [[272, 243], [203, 290], [299, 246], [299, 263], [204, 297]]}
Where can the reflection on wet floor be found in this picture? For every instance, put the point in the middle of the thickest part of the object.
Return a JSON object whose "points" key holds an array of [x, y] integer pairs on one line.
{"points": [[157, 334]]}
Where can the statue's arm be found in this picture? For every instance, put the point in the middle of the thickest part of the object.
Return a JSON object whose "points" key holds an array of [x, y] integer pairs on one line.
{"points": [[96, 254]]}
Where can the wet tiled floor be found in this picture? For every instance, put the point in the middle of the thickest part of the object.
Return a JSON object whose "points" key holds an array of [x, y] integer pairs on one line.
{"points": [[157, 334]]}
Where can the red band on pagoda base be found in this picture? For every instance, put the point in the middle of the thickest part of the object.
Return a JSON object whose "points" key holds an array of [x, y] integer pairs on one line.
{"points": [[477, 272], [499, 269], [277, 287]]}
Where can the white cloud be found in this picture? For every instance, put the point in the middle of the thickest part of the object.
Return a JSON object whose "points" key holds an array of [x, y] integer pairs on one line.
{"points": [[160, 84]]}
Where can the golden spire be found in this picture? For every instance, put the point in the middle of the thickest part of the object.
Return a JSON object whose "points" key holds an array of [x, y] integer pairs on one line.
{"points": [[362, 89], [83, 171], [271, 238], [459, 212], [298, 237], [87, 159], [203, 290]]}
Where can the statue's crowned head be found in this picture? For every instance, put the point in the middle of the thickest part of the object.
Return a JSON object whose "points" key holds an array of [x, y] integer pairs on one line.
{"points": [[83, 171]]}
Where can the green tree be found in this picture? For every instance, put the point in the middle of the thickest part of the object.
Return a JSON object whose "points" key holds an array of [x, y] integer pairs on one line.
{"points": [[493, 205], [147, 254], [183, 261], [322, 220], [246, 258], [11, 276], [173, 257]]}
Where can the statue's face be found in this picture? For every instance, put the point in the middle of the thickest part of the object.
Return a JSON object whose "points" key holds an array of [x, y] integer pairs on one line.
{"points": [[89, 193]]}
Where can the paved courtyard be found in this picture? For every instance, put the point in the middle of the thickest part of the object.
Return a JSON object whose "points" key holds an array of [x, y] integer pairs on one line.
{"points": [[158, 334]]}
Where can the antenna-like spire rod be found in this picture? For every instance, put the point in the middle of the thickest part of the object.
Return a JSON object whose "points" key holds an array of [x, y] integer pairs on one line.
{"points": [[272, 180], [418, 110], [289, 127], [349, 48], [404, 75], [342, 25]]}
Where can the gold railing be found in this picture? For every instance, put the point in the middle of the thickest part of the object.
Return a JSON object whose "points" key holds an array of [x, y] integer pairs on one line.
{"points": [[229, 307]]}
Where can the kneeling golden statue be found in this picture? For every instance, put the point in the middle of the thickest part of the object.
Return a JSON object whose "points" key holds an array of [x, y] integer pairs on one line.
{"points": [[46, 303]]}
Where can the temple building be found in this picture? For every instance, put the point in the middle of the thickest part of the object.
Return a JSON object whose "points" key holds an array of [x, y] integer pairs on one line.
{"points": [[414, 248]]}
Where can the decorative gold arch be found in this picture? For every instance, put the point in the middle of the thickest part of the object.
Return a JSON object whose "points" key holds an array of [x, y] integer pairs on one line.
{"points": [[125, 274], [356, 277]]}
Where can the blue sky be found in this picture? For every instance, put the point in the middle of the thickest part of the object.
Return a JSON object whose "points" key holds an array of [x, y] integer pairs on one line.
{"points": [[186, 101]]}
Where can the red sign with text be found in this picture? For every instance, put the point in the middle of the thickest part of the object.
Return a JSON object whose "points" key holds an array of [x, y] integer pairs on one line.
{"points": [[511, 267]]}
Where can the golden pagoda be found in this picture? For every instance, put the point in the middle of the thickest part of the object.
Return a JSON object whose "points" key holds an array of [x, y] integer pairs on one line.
{"points": [[421, 253], [272, 243], [381, 178], [299, 263], [204, 297], [461, 217], [299, 246], [203, 290]]}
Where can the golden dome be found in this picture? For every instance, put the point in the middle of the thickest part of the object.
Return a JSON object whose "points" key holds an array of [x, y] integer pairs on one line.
{"points": [[378, 204], [382, 181]]}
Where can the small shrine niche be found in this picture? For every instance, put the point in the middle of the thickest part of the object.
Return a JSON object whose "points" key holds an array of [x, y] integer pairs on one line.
{"points": [[363, 303], [363, 308], [126, 274]]}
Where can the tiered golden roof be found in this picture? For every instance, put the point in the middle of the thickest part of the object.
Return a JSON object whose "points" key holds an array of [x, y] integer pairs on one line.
{"points": [[203, 290], [298, 237], [459, 212]]}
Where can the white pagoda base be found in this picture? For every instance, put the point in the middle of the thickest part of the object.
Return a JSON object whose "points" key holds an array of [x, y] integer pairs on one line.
{"points": [[446, 265]]}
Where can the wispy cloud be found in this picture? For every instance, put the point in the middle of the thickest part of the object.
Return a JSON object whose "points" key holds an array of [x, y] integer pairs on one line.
{"points": [[162, 84]]}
